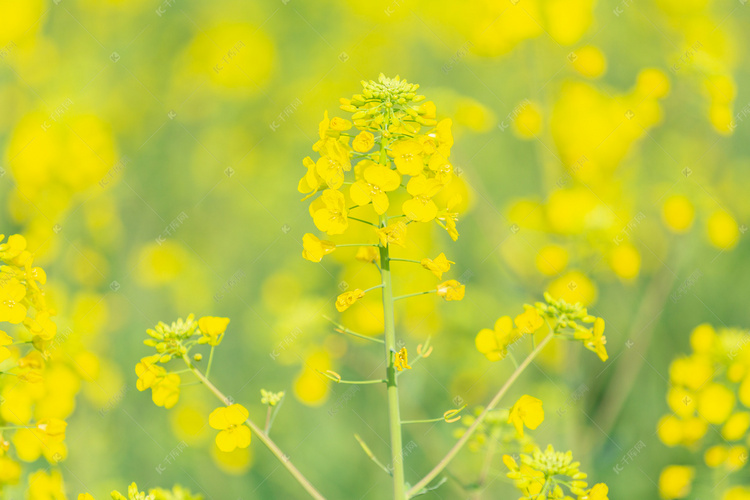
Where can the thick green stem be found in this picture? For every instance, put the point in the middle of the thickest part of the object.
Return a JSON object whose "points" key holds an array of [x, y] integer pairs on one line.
{"points": [[267, 441], [394, 414]]}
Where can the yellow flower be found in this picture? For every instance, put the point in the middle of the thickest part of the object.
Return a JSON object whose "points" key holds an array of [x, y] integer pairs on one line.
{"points": [[529, 321], [447, 219], [378, 180], [675, 481], [451, 290], [494, 343], [333, 162], [12, 292], [715, 403], [594, 340], [526, 412], [166, 392], [407, 155], [363, 142], [5, 340], [313, 248], [340, 124], [149, 373], [41, 326], [230, 421], [85, 496], [270, 398], [46, 486], [330, 215], [440, 265], [598, 492], [678, 213], [723, 231], [401, 361], [367, 254], [212, 328], [310, 183], [394, 233], [13, 247], [346, 299], [421, 208]]}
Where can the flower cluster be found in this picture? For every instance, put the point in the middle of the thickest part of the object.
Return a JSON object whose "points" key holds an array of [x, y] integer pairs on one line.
{"points": [[176, 493], [175, 341], [551, 474], [496, 426], [565, 320], [32, 413], [397, 137], [710, 387]]}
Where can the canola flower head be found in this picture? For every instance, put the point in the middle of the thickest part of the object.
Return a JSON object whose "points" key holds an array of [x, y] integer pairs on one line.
{"points": [[550, 474], [230, 420], [271, 398]]}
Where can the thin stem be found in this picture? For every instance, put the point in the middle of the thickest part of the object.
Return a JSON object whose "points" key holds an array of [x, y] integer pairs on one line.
{"points": [[414, 294], [405, 260], [342, 329], [270, 444], [370, 454], [372, 288], [428, 421], [490, 406], [210, 361], [363, 221]]}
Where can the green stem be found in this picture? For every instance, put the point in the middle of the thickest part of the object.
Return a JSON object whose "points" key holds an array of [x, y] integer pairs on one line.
{"points": [[394, 413], [414, 294], [210, 361], [406, 260], [372, 288], [439, 419], [465, 438], [342, 329], [267, 441], [363, 221]]}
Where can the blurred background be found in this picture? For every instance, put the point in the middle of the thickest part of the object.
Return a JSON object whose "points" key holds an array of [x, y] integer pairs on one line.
{"points": [[151, 152]]}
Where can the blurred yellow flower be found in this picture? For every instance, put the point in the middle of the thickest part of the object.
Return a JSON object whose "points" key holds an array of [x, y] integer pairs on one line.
{"points": [[528, 120], [625, 261], [723, 231], [230, 421], [589, 61], [529, 321], [678, 213], [12, 293], [675, 481], [551, 260]]}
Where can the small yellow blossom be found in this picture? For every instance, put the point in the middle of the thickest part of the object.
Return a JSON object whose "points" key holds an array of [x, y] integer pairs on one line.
{"points": [[314, 249], [401, 361], [407, 155], [330, 215], [494, 343], [594, 339], [230, 421], [421, 208], [212, 328], [166, 392], [438, 266], [311, 182], [394, 233], [148, 372], [270, 398], [526, 412], [347, 299], [368, 254], [451, 290], [363, 142], [5, 340], [12, 292], [378, 181], [529, 321], [333, 163]]}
